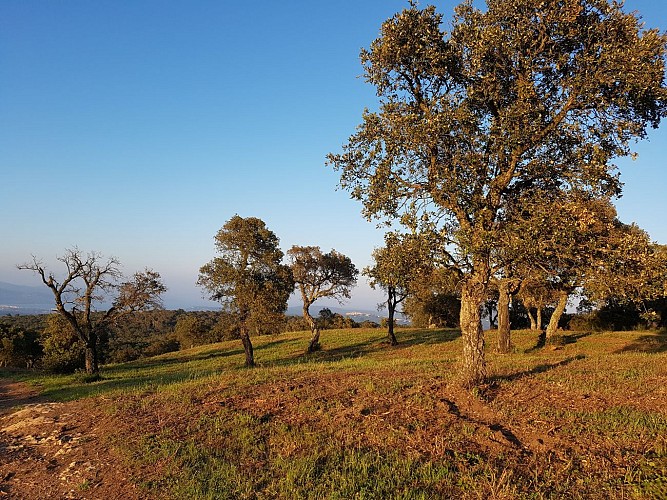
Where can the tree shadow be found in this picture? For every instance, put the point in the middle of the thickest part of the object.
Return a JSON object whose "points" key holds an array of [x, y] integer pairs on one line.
{"points": [[273, 343], [651, 344], [427, 337], [330, 355], [378, 344], [507, 434], [166, 361], [539, 344], [558, 340], [574, 337], [494, 380]]}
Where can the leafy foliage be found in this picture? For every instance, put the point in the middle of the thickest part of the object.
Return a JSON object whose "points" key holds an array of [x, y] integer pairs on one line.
{"points": [[525, 94], [248, 276], [318, 275], [18, 347]]}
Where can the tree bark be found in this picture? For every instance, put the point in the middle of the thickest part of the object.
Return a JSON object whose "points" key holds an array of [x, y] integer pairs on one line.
{"points": [[247, 347], [558, 312], [504, 335], [539, 318], [493, 320], [90, 341], [473, 369], [531, 318], [391, 307], [92, 367], [245, 340], [314, 344]]}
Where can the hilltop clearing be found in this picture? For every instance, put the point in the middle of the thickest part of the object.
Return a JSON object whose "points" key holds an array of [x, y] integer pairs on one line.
{"points": [[359, 419]]}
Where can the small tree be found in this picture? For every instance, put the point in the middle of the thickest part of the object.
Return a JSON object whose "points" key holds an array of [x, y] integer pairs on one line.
{"points": [[398, 268], [64, 352], [18, 346], [248, 276], [536, 293], [191, 330], [318, 275], [89, 280]]}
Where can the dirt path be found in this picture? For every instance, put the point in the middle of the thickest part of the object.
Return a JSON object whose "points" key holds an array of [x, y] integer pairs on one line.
{"points": [[57, 450], [13, 394]]}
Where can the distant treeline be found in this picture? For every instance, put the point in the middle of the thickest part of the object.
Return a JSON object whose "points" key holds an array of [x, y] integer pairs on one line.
{"points": [[48, 342]]}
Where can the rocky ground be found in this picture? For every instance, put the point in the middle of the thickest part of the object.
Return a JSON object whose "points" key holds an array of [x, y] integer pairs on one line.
{"points": [[57, 450]]}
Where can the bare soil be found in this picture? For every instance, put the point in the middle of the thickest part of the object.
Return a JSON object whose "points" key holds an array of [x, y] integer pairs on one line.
{"points": [[57, 450]]}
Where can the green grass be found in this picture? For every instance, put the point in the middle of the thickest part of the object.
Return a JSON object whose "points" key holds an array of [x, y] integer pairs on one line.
{"points": [[361, 419]]}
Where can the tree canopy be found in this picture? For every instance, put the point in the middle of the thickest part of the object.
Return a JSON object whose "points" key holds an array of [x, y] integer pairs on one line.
{"points": [[248, 276], [400, 268], [319, 275]]}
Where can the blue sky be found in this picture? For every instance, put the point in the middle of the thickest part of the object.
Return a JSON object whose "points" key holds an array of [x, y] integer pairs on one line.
{"points": [[137, 128]]}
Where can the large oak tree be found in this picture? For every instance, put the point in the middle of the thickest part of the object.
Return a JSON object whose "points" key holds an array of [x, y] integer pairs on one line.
{"points": [[521, 94]]}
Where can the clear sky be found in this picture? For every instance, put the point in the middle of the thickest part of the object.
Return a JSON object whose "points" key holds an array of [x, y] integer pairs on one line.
{"points": [[137, 128]]}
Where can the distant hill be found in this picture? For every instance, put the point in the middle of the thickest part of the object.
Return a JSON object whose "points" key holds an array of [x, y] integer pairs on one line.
{"points": [[20, 299], [357, 315]]}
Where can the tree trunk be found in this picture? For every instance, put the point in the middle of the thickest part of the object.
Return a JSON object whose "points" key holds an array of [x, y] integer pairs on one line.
{"points": [[504, 338], [531, 317], [245, 339], [539, 318], [92, 368], [314, 344], [391, 307], [558, 312], [473, 369]]}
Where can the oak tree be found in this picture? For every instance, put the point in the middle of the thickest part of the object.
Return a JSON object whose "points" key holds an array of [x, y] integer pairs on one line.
{"points": [[523, 93], [399, 268], [318, 275], [248, 276], [88, 282]]}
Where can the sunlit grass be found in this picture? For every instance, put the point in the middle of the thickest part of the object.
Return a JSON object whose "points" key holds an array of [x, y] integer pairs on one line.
{"points": [[362, 419]]}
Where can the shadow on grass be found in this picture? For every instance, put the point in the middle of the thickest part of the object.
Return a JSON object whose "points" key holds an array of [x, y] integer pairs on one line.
{"points": [[166, 361], [541, 342], [558, 340], [427, 337], [651, 344], [148, 374], [377, 344], [535, 370]]}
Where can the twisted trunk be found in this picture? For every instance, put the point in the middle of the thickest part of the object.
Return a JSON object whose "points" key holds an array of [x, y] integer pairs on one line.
{"points": [[391, 307], [314, 344], [531, 318]]}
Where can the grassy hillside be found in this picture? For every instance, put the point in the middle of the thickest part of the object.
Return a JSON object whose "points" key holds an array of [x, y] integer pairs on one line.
{"points": [[361, 419]]}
